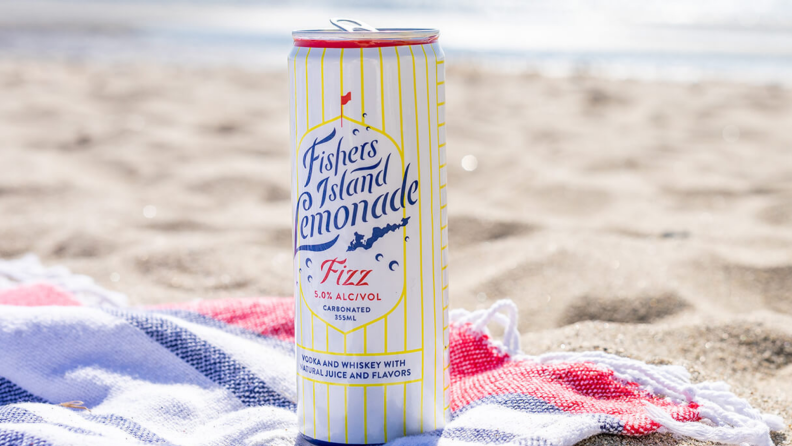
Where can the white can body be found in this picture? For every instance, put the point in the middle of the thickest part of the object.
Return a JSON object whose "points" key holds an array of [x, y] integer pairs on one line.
{"points": [[370, 241]]}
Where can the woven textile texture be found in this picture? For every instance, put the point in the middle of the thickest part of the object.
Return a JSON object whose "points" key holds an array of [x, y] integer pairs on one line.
{"points": [[222, 372]]}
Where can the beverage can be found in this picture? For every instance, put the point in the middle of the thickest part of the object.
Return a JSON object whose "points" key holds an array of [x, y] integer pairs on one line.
{"points": [[370, 232]]}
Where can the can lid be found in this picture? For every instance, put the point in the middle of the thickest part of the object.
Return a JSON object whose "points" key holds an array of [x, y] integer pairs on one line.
{"points": [[352, 33]]}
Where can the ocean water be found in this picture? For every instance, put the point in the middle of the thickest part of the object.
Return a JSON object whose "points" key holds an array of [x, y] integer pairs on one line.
{"points": [[741, 40]]}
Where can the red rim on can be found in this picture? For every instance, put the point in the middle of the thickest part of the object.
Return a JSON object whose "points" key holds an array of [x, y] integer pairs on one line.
{"points": [[361, 35]]}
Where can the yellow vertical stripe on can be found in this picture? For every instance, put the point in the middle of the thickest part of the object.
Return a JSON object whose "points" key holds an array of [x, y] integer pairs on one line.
{"points": [[404, 211], [401, 129], [382, 90], [346, 416], [363, 119], [322, 76], [313, 384], [301, 324], [307, 116], [382, 118], [404, 415], [434, 283], [341, 86], [294, 71], [328, 412], [420, 219], [385, 411], [362, 91]]}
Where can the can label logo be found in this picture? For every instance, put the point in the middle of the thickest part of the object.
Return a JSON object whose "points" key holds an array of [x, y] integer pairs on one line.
{"points": [[353, 181]]}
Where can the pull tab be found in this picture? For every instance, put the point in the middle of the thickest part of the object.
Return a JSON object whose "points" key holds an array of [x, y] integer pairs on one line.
{"points": [[356, 25]]}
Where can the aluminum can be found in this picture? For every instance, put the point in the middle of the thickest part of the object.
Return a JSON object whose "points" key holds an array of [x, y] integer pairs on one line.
{"points": [[370, 233]]}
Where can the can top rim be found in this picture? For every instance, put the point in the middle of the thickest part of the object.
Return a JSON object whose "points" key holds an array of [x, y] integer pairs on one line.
{"points": [[335, 38], [380, 33]]}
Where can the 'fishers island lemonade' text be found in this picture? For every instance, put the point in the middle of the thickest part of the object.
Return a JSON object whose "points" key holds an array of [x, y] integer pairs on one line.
{"points": [[369, 237], [354, 189]]}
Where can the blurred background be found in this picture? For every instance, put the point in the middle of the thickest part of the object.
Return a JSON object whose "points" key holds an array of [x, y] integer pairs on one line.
{"points": [[621, 169], [672, 39]]}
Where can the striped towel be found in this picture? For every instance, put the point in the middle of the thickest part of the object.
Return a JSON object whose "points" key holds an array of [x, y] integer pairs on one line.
{"points": [[222, 372]]}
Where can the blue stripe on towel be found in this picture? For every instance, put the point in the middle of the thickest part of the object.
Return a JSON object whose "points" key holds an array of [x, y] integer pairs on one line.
{"points": [[197, 318], [18, 415], [530, 404], [13, 438], [207, 359], [12, 414], [130, 427], [515, 401], [485, 436], [610, 424], [11, 393]]}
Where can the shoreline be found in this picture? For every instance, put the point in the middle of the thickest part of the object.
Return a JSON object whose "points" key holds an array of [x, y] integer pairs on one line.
{"points": [[483, 66], [738, 46]]}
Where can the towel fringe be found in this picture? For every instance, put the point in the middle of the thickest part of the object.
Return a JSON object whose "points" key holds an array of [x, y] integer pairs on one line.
{"points": [[479, 320], [28, 270], [734, 420]]}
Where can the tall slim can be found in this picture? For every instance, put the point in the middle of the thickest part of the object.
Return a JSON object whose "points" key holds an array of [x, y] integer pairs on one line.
{"points": [[370, 233]]}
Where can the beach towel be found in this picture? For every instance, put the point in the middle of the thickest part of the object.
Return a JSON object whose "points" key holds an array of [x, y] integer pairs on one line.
{"points": [[80, 367]]}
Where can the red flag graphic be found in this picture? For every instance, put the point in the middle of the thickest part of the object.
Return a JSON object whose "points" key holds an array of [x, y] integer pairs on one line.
{"points": [[344, 99]]}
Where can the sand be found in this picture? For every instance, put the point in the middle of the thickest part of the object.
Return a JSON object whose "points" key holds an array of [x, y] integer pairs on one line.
{"points": [[652, 220]]}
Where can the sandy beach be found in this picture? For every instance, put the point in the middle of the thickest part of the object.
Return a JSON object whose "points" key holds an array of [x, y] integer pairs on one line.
{"points": [[652, 220]]}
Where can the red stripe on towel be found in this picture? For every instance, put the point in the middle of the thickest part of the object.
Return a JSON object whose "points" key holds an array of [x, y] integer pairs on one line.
{"points": [[37, 295], [273, 316]]}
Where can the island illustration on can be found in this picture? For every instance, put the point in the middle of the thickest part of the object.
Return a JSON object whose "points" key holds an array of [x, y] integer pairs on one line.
{"points": [[370, 232]]}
